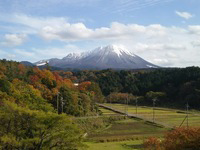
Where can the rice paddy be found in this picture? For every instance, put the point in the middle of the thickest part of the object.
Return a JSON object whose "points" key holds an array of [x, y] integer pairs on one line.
{"points": [[172, 117]]}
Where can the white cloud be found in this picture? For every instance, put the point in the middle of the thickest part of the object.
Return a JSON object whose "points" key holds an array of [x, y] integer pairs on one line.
{"points": [[157, 47], [53, 52], [11, 56], [24, 53], [170, 55], [194, 29], [185, 15], [14, 39], [132, 5], [196, 43], [161, 61], [58, 28], [36, 54], [153, 42]]}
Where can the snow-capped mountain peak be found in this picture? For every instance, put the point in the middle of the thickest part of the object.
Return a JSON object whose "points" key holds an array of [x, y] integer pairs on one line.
{"points": [[118, 50], [73, 56], [111, 56]]}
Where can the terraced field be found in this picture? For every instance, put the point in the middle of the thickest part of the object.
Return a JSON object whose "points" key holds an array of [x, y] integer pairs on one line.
{"points": [[128, 129], [124, 145], [172, 117]]}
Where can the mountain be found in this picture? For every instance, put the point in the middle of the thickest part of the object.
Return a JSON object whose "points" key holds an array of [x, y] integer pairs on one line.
{"points": [[111, 56], [27, 63]]}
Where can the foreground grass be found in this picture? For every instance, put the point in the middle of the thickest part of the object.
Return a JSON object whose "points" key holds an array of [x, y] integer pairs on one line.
{"points": [[125, 145]]}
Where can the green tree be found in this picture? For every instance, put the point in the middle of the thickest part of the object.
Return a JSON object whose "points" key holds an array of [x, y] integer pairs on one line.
{"points": [[154, 96], [23, 128], [86, 103], [5, 86], [98, 96], [68, 101]]}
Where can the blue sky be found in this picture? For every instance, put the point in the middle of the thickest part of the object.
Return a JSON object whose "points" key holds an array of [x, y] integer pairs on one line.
{"points": [[164, 32]]}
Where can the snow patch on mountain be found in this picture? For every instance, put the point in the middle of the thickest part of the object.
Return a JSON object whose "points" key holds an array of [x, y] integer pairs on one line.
{"points": [[118, 50], [41, 62], [74, 56]]}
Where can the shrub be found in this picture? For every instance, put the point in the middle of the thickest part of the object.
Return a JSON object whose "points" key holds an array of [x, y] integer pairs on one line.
{"points": [[183, 138], [153, 143], [177, 139]]}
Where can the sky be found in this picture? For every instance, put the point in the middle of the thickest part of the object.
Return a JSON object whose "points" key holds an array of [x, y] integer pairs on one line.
{"points": [[163, 32]]}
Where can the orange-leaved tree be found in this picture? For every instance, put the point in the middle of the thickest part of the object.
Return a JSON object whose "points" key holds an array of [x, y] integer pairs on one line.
{"points": [[177, 139]]}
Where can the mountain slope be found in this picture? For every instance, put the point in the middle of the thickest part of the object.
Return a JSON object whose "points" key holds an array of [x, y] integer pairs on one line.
{"points": [[27, 63], [101, 58]]}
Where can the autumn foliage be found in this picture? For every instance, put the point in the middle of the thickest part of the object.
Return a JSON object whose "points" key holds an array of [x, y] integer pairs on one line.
{"points": [[177, 139], [153, 144], [35, 105], [56, 87]]}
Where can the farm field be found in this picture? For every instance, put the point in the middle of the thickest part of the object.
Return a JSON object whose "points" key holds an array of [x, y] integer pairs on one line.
{"points": [[124, 135], [125, 145], [128, 129], [106, 112], [171, 117], [130, 133]]}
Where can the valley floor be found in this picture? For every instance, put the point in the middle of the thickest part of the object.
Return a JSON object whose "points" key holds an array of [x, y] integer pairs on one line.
{"points": [[130, 133]]}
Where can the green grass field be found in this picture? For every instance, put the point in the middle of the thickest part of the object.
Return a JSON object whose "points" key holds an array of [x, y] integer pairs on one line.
{"points": [[125, 145], [171, 117]]}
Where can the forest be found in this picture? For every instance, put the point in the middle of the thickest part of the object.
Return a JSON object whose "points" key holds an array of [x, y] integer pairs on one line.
{"points": [[174, 87]]}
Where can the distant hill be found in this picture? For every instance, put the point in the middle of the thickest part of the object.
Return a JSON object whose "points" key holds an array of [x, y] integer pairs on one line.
{"points": [[27, 63]]}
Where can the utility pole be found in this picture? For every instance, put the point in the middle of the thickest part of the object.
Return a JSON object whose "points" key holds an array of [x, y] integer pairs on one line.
{"points": [[62, 103], [187, 106], [136, 105], [127, 104], [125, 107], [154, 101], [58, 102]]}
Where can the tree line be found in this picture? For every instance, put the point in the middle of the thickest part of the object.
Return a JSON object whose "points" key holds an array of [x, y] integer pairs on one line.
{"points": [[176, 85]]}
